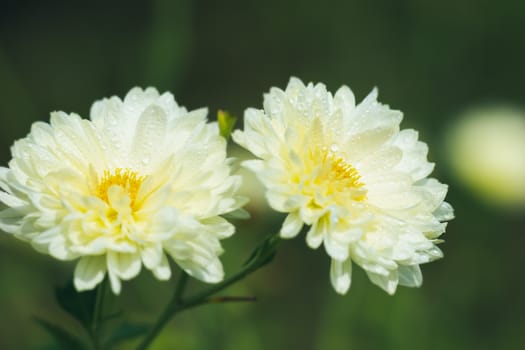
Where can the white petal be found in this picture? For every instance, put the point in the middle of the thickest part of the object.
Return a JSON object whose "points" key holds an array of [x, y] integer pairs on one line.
{"points": [[341, 275], [89, 272], [434, 253], [138, 99], [345, 98], [368, 141], [211, 272], [370, 114], [124, 265], [292, 225], [162, 271], [114, 281], [255, 123], [10, 224], [219, 226], [387, 283], [382, 161], [58, 249], [315, 236], [151, 255], [444, 212], [435, 188], [45, 238], [348, 236], [336, 249], [149, 133], [102, 109], [294, 86], [254, 165], [414, 160], [11, 201], [410, 276], [197, 115]]}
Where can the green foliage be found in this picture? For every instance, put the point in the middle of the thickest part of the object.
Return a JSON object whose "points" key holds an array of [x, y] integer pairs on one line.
{"points": [[87, 308], [63, 338], [124, 332], [239, 214], [80, 305], [265, 252]]}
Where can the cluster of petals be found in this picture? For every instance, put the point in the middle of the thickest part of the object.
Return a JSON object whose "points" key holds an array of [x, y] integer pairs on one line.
{"points": [[144, 179], [348, 172], [141, 180]]}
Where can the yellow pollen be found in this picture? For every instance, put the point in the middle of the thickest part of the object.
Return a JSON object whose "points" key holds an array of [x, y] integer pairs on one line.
{"points": [[339, 175], [345, 172], [123, 177]]}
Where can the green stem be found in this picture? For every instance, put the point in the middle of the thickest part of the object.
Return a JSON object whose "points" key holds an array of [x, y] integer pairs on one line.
{"points": [[203, 296], [179, 289], [260, 257], [97, 315], [168, 312]]}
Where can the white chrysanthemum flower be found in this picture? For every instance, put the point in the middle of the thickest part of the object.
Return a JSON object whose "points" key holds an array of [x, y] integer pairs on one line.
{"points": [[486, 149], [350, 173], [143, 179]]}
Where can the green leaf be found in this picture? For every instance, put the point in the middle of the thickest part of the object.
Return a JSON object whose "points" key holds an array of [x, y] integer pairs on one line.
{"points": [[80, 305], [125, 331], [264, 252], [226, 123], [238, 214], [64, 339]]}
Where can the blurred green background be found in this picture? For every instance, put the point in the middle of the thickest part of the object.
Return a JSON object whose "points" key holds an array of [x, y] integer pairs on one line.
{"points": [[431, 59]]}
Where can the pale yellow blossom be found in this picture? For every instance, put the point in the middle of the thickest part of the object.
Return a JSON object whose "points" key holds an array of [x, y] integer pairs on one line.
{"points": [[353, 176], [142, 180]]}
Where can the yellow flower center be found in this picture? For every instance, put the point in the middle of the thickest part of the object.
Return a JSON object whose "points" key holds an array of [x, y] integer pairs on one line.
{"points": [[128, 179], [343, 171], [343, 176], [335, 176]]}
